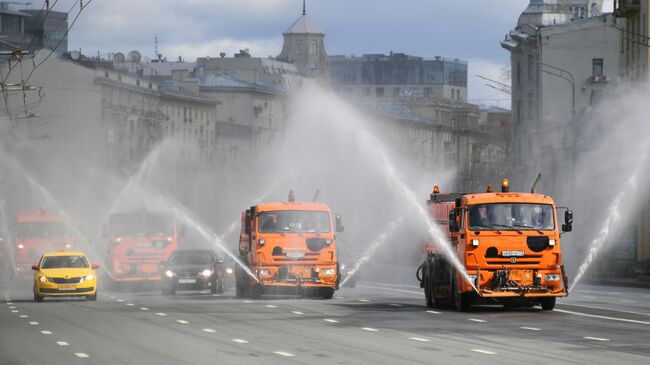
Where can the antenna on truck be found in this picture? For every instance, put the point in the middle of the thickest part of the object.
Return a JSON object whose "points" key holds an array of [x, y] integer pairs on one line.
{"points": [[533, 190], [316, 195]]}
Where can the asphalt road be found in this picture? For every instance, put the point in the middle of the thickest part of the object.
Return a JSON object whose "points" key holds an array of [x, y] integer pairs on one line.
{"points": [[376, 323]]}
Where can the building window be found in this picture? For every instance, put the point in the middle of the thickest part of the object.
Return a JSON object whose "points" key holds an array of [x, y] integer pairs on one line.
{"points": [[597, 67], [379, 92], [313, 48], [428, 91], [530, 106]]}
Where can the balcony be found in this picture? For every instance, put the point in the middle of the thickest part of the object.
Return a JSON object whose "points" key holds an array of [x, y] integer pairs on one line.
{"points": [[626, 8]]}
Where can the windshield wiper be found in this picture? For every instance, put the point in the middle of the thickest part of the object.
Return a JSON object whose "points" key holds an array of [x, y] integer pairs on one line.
{"points": [[529, 227]]}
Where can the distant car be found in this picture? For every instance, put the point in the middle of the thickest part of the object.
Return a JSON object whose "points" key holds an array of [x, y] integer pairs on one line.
{"points": [[192, 270], [63, 274]]}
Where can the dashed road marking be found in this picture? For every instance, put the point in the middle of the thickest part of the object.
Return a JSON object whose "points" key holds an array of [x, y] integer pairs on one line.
{"points": [[120, 300], [12, 307], [248, 301], [33, 323], [239, 340], [485, 352], [602, 317], [419, 339], [297, 312], [477, 320], [339, 298], [62, 343], [216, 295], [209, 330], [330, 320], [24, 316], [369, 329], [395, 305], [46, 332], [433, 312], [10, 303], [161, 314], [596, 339], [271, 306], [144, 308], [627, 301], [285, 354], [531, 328], [182, 321], [364, 300], [14, 311], [130, 304], [81, 354]]}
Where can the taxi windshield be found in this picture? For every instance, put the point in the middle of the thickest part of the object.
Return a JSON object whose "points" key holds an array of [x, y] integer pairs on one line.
{"points": [[296, 221], [60, 262], [511, 216]]}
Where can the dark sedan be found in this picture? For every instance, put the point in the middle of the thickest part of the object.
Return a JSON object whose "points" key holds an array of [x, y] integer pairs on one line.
{"points": [[192, 270]]}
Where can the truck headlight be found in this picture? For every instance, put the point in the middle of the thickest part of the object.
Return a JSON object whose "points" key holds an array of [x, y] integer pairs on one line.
{"points": [[262, 242], [206, 272], [551, 243], [552, 277], [20, 246], [169, 274], [68, 245], [264, 272], [42, 279], [229, 271], [327, 271], [475, 242]]}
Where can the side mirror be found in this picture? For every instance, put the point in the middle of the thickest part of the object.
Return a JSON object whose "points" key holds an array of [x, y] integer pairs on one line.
{"points": [[453, 225], [95, 266], [339, 223], [35, 267], [568, 221]]}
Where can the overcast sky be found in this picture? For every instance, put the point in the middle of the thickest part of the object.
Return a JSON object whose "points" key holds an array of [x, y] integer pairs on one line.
{"points": [[466, 29]]}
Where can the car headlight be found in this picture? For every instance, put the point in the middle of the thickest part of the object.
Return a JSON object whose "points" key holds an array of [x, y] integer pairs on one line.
{"points": [[328, 271], [42, 279], [169, 273], [90, 277], [264, 272], [229, 270], [206, 272], [552, 277]]}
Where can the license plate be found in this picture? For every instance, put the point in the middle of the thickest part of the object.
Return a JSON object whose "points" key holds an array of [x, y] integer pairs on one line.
{"points": [[186, 281], [512, 253], [67, 287], [295, 254]]}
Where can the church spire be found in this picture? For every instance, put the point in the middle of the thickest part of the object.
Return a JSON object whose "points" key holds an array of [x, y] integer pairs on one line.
{"points": [[304, 8]]}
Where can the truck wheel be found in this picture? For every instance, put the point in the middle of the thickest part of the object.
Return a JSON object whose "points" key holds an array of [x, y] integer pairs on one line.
{"points": [[462, 301], [548, 304], [327, 293], [428, 295]]}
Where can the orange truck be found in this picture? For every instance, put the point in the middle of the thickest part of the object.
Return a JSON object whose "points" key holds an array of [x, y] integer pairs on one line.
{"points": [[290, 247], [35, 234], [508, 244], [139, 241]]}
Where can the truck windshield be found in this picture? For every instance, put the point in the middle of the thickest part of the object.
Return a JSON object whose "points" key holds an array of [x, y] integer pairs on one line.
{"points": [[511, 216], [298, 221], [49, 229], [141, 224], [59, 262]]}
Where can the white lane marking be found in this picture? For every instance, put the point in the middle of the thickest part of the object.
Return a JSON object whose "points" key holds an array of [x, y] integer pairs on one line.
{"points": [[248, 301], [9, 303], [182, 321], [285, 354], [12, 307], [602, 317], [596, 339], [130, 304], [46, 332], [296, 312], [369, 329], [271, 306], [209, 330], [33, 323], [120, 300], [395, 305], [613, 293], [24, 316], [14, 311], [485, 352], [330, 320], [606, 309], [144, 308], [433, 312], [415, 293], [477, 320], [81, 354], [531, 328], [239, 340], [627, 301], [112, 297], [364, 300], [588, 297], [419, 339], [216, 295], [161, 314], [339, 297], [62, 343]]}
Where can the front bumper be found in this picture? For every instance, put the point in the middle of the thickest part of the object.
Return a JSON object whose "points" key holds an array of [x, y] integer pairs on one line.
{"points": [[52, 289], [299, 276], [520, 283]]}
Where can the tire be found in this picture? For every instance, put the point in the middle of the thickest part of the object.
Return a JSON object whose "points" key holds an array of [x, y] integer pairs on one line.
{"points": [[548, 304], [428, 295], [168, 289], [37, 298], [327, 293], [91, 298], [462, 301]]}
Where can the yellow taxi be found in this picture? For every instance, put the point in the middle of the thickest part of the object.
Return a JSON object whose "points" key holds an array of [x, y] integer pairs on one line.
{"points": [[63, 274]]}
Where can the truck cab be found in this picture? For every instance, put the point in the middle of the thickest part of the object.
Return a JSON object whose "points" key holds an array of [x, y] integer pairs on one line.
{"points": [[35, 234], [138, 242], [510, 247], [290, 247]]}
